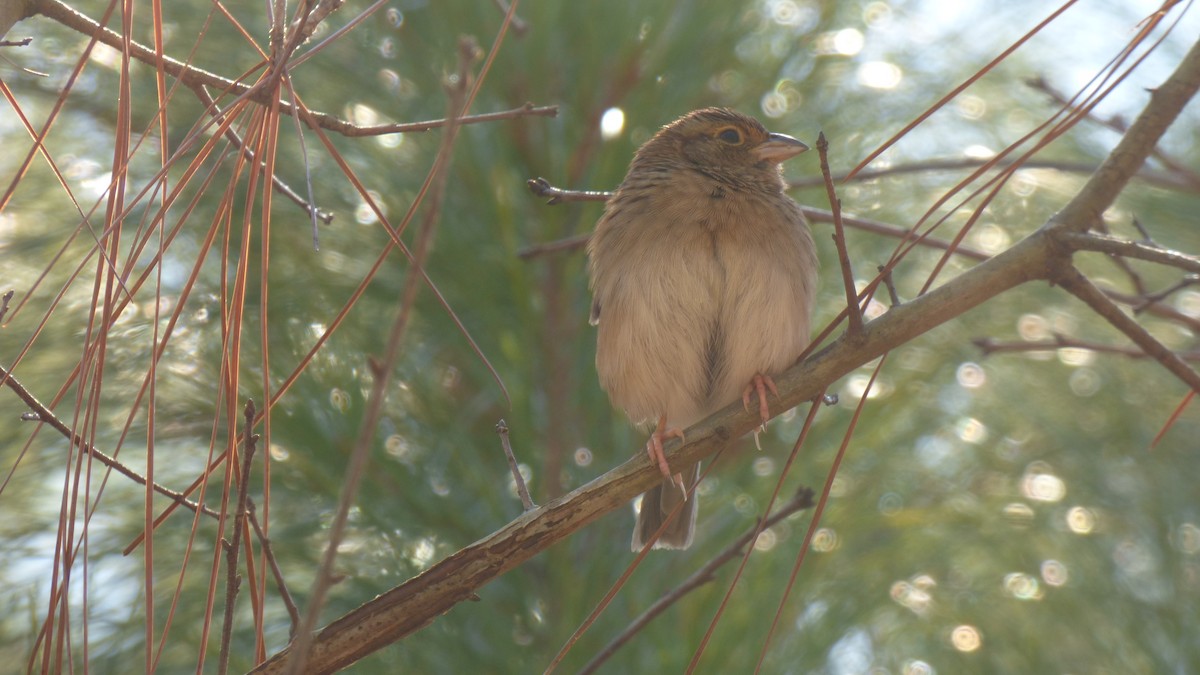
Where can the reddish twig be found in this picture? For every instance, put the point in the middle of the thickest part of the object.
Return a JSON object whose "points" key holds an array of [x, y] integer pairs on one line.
{"points": [[803, 499], [854, 312]]}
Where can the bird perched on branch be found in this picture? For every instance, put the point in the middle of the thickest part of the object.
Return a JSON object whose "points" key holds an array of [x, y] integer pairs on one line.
{"points": [[703, 274]]}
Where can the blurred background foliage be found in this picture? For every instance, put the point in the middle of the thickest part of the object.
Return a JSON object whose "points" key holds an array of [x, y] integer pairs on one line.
{"points": [[1000, 514]]}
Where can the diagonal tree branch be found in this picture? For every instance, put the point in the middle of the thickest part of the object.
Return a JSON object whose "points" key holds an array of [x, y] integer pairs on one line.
{"points": [[1041, 256]]}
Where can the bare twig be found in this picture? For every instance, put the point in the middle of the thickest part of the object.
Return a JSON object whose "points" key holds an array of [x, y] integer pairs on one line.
{"points": [[418, 602], [502, 431], [434, 187], [854, 312], [1184, 176], [40, 413], [233, 580], [991, 346], [273, 563], [803, 499], [280, 186], [1159, 296], [1097, 195], [527, 110], [1078, 285], [1166, 181], [193, 77], [519, 26], [1146, 238], [889, 284], [542, 188], [4, 300], [1081, 241], [960, 88]]}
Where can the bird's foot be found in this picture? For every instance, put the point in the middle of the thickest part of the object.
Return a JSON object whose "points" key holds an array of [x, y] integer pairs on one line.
{"points": [[654, 448], [759, 385]]}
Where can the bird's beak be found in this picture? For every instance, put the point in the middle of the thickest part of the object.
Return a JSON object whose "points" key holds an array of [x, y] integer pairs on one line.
{"points": [[778, 148]]}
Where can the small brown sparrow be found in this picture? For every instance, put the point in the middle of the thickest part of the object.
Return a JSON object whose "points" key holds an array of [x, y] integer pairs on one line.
{"points": [[703, 274]]}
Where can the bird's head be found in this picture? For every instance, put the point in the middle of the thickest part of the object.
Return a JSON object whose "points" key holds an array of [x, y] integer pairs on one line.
{"points": [[723, 144]]}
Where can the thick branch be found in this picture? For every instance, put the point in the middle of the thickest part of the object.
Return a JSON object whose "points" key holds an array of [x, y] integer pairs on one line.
{"points": [[419, 601], [1136, 145], [416, 603]]}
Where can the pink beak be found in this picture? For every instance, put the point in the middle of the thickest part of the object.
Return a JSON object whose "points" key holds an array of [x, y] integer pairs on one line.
{"points": [[778, 148]]}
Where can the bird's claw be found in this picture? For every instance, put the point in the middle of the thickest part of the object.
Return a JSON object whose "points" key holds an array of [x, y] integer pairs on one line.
{"points": [[759, 385], [654, 448]]}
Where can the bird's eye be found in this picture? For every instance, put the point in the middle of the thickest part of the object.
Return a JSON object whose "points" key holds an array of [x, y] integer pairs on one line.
{"points": [[730, 135]]}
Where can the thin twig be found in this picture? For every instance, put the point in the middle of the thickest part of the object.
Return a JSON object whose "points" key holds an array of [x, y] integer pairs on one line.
{"points": [[886, 274], [1080, 241], [1129, 156], [1078, 285], [1121, 263], [519, 26], [1146, 238], [193, 76], [803, 499], [1156, 178], [813, 408], [4, 300], [502, 430], [434, 187], [960, 88], [1184, 175], [273, 563], [989, 346], [40, 413], [233, 580], [542, 188], [280, 186], [1159, 296], [854, 312]]}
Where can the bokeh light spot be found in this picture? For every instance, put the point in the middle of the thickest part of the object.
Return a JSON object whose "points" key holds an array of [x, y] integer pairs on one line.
{"points": [[824, 540], [1054, 573], [880, 75], [966, 638], [970, 375], [1033, 327], [1043, 487], [764, 466], [971, 430], [1018, 514], [612, 123], [845, 42], [1022, 586], [1081, 520], [583, 457], [917, 668]]}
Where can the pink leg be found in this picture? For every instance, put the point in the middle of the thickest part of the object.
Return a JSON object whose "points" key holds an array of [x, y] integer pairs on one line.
{"points": [[654, 448], [760, 384]]}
